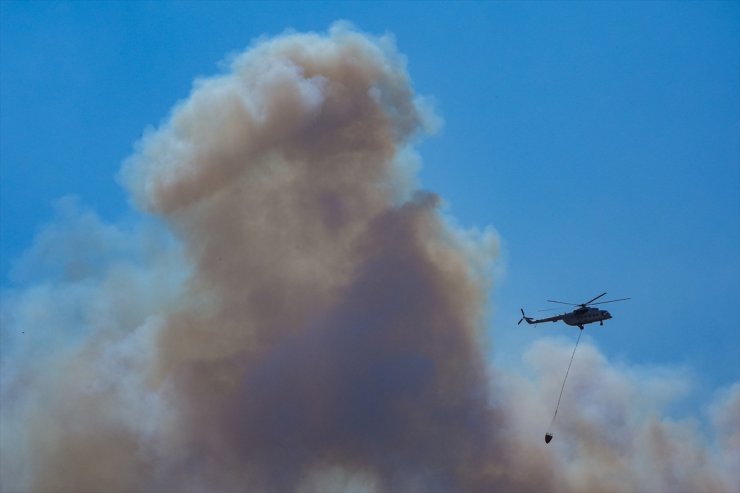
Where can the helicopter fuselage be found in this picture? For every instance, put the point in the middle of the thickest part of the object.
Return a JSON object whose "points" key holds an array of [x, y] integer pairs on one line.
{"points": [[583, 316]]}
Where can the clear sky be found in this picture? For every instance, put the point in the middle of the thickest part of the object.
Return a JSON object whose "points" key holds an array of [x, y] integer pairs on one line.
{"points": [[601, 140]]}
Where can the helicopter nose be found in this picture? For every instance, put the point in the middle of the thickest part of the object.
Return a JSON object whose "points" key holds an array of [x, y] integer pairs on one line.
{"points": [[607, 315]]}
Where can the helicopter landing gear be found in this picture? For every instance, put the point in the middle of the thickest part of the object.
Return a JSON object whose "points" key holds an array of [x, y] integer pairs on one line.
{"points": [[601, 323]]}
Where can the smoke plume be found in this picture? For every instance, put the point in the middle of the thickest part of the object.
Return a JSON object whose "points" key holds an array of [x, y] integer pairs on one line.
{"points": [[295, 315]]}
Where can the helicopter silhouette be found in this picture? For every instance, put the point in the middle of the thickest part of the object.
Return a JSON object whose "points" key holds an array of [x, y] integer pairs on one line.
{"points": [[583, 315]]}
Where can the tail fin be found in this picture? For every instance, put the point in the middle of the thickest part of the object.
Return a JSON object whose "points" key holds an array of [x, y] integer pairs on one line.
{"points": [[524, 317]]}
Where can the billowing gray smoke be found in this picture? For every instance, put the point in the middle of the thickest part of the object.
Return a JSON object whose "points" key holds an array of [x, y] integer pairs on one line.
{"points": [[312, 324]]}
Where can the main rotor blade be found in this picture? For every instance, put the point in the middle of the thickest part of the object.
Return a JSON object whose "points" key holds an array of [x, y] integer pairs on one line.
{"points": [[564, 303], [594, 299], [610, 301]]}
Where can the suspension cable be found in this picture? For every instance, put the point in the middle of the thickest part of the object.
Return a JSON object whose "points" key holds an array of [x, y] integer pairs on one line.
{"points": [[548, 435]]}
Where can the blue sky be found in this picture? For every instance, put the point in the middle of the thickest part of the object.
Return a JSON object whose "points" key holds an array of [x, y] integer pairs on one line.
{"points": [[601, 140]]}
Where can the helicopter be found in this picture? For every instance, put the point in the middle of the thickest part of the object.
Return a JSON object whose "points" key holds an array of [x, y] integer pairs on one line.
{"points": [[583, 315]]}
